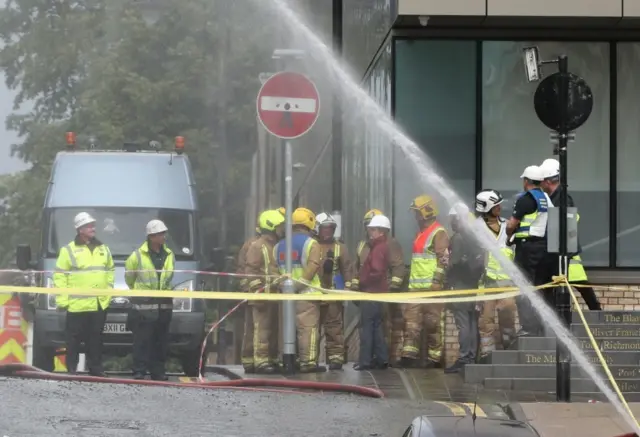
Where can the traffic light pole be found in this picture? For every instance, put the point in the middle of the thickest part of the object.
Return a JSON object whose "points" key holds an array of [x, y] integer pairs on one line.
{"points": [[563, 297], [289, 306]]}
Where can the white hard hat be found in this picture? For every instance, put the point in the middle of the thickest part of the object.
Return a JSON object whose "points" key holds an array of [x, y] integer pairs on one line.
{"points": [[487, 199], [380, 221], [83, 218], [323, 219], [550, 168], [458, 209], [533, 173], [156, 227]]}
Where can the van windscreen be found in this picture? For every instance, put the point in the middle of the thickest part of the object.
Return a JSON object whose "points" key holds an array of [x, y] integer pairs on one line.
{"points": [[123, 229]]}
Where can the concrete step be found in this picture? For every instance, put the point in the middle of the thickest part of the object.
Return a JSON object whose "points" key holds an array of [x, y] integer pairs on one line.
{"points": [[620, 344], [549, 357], [609, 317], [603, 330], [578, 385], [477, 373]]}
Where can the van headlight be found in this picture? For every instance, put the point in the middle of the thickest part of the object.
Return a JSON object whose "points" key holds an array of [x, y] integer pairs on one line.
{"points": [[183, 304], [51, 298]]}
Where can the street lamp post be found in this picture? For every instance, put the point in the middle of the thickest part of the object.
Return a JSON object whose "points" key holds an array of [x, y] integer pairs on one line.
{"points": [[563, 102]]}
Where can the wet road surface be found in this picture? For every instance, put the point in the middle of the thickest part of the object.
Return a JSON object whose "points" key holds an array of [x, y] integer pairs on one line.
{"points": [[46, 408], [43, 408]]}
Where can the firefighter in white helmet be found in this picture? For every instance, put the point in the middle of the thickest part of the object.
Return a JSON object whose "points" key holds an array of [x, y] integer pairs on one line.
{"points": [[335, 273], [488, 208], [84, 263], [150, 267]]}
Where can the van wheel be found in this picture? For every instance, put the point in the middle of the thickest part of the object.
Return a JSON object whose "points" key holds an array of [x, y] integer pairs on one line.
{"points": [[43, 358], [190, 363]]}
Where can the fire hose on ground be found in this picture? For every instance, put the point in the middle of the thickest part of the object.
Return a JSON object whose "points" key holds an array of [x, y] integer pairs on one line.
{"points": [[251, 384]]}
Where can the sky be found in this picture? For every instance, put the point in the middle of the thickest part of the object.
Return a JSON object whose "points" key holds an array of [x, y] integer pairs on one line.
{"points": [[7, 164]]}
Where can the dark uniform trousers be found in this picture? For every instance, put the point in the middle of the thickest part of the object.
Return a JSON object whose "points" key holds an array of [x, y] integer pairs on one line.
{"points": [[85, 327], [150, 340]]}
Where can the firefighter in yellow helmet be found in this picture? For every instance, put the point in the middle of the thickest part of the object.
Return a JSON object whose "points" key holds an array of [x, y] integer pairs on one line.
{"points": [[260, 261], [247, 336], [335, 273], [429, 261], [393, 318], [306, 256]]}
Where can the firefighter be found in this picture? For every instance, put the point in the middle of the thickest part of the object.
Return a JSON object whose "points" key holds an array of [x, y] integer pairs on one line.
{"points": [[393, 318], [247, 336], [306, 258], [428, 265], [528, 227], [260, 261], [150, 267], [466, 267], [84, 263], [577, 274], [492, 337], [335, 268]]}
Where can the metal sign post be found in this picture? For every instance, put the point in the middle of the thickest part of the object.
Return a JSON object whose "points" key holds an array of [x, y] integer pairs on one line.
{"points": [[288, 106], [563, 102]]}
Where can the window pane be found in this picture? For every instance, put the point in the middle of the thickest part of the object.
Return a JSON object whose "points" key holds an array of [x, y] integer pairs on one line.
{"points": [[435, 99], [514, 138], [628, 134], [367, 163]]}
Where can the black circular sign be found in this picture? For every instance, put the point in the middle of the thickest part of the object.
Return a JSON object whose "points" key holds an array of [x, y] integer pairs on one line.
{"points": [[547, 101]]}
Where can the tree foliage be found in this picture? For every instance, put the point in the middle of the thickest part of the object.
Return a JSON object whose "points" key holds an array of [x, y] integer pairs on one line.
{"points": [[97, 68]]}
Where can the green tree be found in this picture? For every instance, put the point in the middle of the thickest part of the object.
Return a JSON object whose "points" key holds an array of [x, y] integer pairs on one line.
{"points": [[100, 70]]}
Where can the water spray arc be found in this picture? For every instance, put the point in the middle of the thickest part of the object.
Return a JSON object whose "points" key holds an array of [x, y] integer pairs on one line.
{"points": [[429, 175]]}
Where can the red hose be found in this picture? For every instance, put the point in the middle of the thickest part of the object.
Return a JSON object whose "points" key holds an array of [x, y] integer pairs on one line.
{"points": [[252, 384]]}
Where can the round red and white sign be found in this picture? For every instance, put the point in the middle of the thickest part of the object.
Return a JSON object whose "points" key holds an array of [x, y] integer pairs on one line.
{"points": [[288, 105]]}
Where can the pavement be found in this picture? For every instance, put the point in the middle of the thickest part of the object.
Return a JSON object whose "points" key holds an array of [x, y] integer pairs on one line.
{"points": [[45, 408]]}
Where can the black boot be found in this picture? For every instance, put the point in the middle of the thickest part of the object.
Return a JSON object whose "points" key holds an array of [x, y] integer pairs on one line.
{"points": [[335, 366]]}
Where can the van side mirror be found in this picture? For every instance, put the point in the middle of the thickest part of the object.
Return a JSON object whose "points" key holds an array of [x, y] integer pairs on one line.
{"points": [[23, 257]]}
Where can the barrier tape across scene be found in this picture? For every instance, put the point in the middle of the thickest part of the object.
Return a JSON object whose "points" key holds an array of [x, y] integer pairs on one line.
{"points": [[445, 296]]}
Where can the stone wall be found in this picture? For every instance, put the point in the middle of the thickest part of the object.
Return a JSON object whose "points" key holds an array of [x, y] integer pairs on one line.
{"points": [[619, 297]]}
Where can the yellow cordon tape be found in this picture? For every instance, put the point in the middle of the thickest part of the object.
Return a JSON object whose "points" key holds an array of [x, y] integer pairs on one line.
{"points": [[596, 347]]}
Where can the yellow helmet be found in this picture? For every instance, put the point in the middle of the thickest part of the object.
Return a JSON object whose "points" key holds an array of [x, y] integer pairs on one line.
{"points": [[304, 217], [370, 214], [425, 205], [281, 210], [269, 220]]}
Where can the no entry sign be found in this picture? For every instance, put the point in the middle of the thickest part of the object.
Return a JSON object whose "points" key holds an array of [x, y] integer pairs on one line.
{"points": [[288, 105]]}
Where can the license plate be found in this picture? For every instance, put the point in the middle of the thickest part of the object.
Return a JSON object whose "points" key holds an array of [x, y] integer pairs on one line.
{"points": [[115, 328]]}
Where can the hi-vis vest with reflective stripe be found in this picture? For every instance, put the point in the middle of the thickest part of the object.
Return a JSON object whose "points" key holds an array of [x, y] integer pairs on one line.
{"points": [[300, 247], [424, 264], [535, 224], [576, 269], [141, 274], [495, 272], [79, 267]]}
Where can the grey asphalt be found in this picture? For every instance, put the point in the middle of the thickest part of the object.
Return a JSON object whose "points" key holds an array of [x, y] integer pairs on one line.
{"points": [[47, 408]]}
